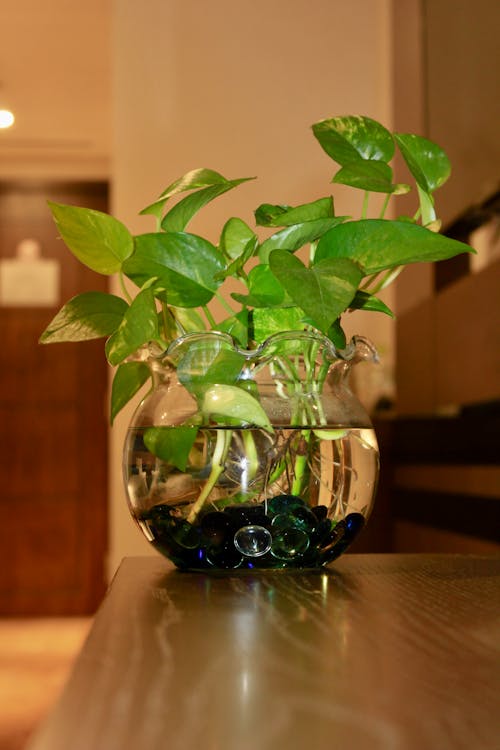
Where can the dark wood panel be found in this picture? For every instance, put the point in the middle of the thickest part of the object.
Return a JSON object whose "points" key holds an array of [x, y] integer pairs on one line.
{"points": [[38, 450], [35, 374], [54, 456], [469, 438], [471, 515]]}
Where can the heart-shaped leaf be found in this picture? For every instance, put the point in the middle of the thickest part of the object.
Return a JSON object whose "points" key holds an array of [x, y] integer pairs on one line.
{"points": [[264, 289], [294, 237], [206, 365], [189, 320], [347, 139], [129, 378], [98, 240], [267, 322], [375, 176], [231, 402], [181, 214], [87, 316], [426, 161], [236, 266], [139, 325], [183, 264], [324, 291], [365, 301], [196, 178], [337, 335], [268, 215], [237, 327], [171, 444], [235, 237], [377, 244]]}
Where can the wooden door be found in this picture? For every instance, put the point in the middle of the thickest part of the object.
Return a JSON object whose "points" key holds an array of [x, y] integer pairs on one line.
{"points": [[53, 422]]}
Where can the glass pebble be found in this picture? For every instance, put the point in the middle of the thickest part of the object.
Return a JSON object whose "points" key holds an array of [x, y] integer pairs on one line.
{"points": [[290, 544], [225, 556], [186, 535], [160, 513], [216, 527], [354, 523], [247, 515], [284, 503], [322, 530], [334, 537], [320, 511], [303, 519], [253, 541], [281, 522]]}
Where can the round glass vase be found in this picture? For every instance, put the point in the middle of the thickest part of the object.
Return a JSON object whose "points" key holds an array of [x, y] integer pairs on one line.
{"points": [[247, 459]]}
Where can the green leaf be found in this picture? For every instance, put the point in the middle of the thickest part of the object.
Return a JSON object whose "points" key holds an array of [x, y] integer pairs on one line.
{"points": [[226, 368], [375, 176], [183, 264], [196, 178], [208, 362], [139, 325], [365, 301], [337, 335], [347, 139], [229, 401], [330, 434], [296, 236], [268, 215], [237, 327], [129, 378], [377, 244], [268, 322], [189, 320], [96, 239], [171, 444], [236, 266], [87, 316], [235, 238], [427, 210], [264, 289], [324, 291], [426, 161], [181, 214]]}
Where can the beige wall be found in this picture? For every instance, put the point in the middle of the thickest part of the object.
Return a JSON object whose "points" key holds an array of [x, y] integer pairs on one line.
{"points": [[55, 76], [234, 86], [444, 87]]}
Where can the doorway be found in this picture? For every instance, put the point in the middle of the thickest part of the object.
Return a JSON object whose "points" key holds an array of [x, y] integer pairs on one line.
{"points": [[53, 421]]}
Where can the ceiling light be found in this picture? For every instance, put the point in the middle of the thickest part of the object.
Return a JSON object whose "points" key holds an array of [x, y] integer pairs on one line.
{"points": [[6, 118]]}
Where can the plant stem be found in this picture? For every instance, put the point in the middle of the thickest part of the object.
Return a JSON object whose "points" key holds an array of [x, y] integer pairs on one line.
{"points": [[364, 212], [225, 304], [124, 288], [209, 317], [384, 205], [250, 454], [170, 324], [369, 281], [300, 465], [312, 251], [387, 279], [221, 448]]}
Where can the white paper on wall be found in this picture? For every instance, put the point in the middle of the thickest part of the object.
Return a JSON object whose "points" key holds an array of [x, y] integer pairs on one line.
{"points": [[28, 280]]}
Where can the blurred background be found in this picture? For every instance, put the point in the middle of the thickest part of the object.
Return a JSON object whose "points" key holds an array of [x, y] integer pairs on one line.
{"points": [[113, 100]]}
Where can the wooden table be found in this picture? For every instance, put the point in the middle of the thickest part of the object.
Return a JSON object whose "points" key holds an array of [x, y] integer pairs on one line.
{"points": [[389, 652]]}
